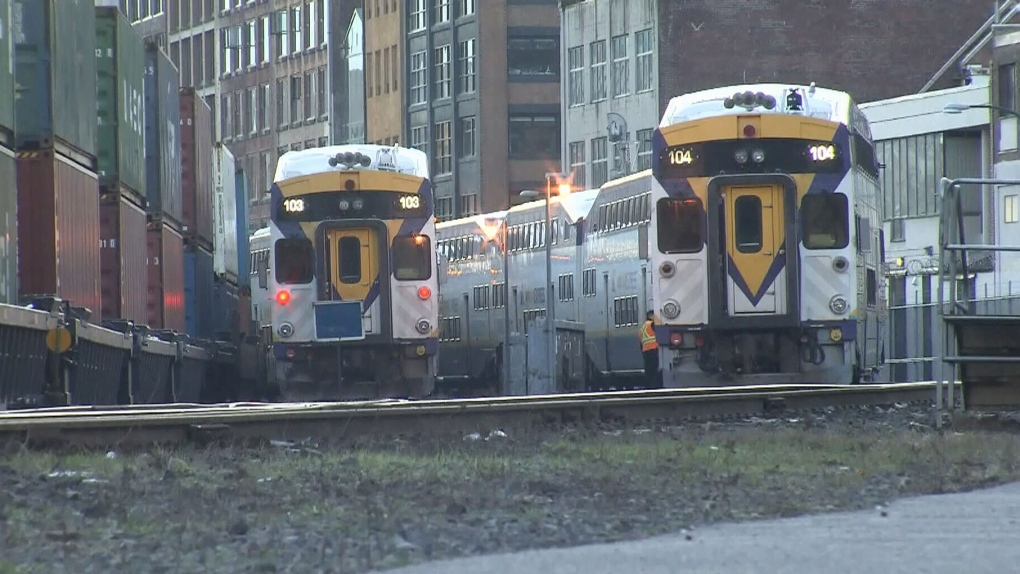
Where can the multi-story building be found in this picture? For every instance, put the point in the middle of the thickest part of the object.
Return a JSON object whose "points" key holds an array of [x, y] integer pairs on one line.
{"points": [[610, 98], [384, 94], [625, 59], [354, 108]]}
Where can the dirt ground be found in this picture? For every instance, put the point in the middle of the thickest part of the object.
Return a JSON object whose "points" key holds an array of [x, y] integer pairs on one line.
{"points": [[288, 507]]}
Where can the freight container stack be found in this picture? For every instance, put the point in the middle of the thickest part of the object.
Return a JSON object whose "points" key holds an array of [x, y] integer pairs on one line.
{"points": [[55, 144], [196, 169], [8, 193], [121, 166], [244, 324], [199, 285], [165, 293]]}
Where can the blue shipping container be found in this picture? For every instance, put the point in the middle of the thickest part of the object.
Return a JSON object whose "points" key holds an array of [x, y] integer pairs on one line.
{"points": [[199, 284], [243, 248], [162, 136], [226, 310]]}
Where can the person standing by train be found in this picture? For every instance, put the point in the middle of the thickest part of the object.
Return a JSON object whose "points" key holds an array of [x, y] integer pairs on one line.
{"points": [[650, 351]]}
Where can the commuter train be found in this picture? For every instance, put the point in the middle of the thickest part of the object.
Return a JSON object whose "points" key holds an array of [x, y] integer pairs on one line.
{"points": [[344, 281], [755, 238]]}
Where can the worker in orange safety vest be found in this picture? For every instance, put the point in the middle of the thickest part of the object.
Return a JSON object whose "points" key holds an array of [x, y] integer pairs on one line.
{"points": [[650, 350]]}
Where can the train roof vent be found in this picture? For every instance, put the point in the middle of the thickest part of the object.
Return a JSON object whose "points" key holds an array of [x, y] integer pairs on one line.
{"points": [[385, 159]]}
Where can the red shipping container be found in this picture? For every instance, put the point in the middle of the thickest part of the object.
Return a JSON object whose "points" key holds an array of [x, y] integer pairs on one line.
{"points": [[123, 257], [58, 229], [196, 168], [165, 277]]}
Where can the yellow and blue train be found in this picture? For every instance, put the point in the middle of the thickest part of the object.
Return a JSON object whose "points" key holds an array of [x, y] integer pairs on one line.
{"points": [[345, 282], [755, 238]]}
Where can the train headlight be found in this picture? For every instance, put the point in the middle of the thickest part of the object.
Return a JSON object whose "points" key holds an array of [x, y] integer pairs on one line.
{"points": [[758, 156], [423, 326], [741, 156], [286, 330], [840, 264], [671, 309], [358, 204], [344, 205], [667, 269], [838, 305]]}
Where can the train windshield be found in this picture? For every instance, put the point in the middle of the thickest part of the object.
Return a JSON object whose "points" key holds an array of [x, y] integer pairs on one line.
{"points": [[412, 258], [679, 225], [825, 221], [295, 261]]}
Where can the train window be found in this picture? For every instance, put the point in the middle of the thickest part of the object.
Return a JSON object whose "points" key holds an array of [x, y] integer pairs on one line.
{"points": [[295, 261], [411, 260], [747, 223], [349, 257], [679, 225], [824, 220]]}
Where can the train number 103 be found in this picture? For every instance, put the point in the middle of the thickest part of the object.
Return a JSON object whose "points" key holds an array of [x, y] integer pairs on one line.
{"points": [[824, 152], [410, 202]]}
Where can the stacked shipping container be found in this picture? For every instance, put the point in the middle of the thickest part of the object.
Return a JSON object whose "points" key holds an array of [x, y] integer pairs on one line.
{"points": [[196, 168], [199, 285], [55, 138], [165, 277], [121, 166], [8, 193]]}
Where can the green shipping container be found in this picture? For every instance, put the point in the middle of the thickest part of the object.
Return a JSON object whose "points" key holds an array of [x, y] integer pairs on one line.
{"points": [[120, 85], [6, 74], [8, 228]]}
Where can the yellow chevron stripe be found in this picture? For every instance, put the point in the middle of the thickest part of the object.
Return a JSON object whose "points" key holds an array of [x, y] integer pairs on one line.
{"points": [[766, 126]]}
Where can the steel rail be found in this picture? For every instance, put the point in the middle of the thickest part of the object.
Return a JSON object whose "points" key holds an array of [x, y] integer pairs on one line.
{"points": [[434, 418]]}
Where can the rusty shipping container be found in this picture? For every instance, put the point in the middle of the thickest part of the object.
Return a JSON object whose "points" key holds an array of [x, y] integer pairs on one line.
{"points": [[8, 228], [162, 135], [120, 71], [196, 168], [122, 259], [6, 76], [58, 228], [165, 263], [55, 75]]}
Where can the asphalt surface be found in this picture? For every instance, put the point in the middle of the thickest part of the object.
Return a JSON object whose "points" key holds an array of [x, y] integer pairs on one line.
{"points": [[973, 532]]}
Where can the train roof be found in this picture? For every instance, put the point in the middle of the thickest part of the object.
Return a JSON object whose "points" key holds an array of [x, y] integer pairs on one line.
{"points": [[404, 160], [821, 103], [576, 205]]}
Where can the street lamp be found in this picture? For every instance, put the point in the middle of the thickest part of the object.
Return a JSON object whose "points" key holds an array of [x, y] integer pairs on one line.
{"points": [[954, 108], [562, 188]]}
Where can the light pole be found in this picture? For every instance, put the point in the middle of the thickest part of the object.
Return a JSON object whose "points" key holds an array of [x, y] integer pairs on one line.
{"points": [[563, 188], [953, 108]]}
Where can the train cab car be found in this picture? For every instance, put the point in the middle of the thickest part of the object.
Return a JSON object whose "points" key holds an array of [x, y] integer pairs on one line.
{"points": [[351, 273], [767, 238]]}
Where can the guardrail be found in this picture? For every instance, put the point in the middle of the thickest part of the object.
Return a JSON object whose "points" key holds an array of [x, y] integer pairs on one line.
{"points": [[51, 355]]}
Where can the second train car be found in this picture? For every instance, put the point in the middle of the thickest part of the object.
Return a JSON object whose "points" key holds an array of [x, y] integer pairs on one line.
{"points": [[346, 284]]}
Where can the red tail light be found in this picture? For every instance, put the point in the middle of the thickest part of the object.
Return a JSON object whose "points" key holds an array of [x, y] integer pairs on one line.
{"points": [[676, 339], [283, 297], [424, 292]]}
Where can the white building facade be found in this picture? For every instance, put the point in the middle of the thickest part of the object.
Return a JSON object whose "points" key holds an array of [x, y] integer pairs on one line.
{"points": [[610, 94]]}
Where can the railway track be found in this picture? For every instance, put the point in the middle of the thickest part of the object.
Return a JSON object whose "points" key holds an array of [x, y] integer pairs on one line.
{"points": [[175, 424]]}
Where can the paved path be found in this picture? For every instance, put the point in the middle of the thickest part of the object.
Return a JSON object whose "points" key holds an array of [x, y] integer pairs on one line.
{"points": [[974, 532]]}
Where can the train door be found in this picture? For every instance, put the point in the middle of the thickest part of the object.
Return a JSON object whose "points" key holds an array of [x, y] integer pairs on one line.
{"points": [[352, 265], [755, 232]]}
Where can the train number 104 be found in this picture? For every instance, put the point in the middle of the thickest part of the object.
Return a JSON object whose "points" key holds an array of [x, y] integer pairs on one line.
{"points": [[824, 152]]}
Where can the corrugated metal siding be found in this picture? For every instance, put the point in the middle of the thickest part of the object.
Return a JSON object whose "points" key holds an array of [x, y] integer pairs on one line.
{"points": [[123, 259], [162, 134], [8, 228], [55, 72], [58, 229], [6, 74], [196, 167], [226, 316], [963, 159], [225, 254], [121, 110], [165, 265], [199, 286], [243, 246]]}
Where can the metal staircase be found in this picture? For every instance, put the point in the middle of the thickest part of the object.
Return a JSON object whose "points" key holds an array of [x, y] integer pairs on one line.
{"points": [[969, 50]]}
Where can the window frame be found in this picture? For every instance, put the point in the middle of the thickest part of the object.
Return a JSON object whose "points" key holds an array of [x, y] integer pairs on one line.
{"points": [[403, 241], [688, 248], [825, 208], [280, 260], [740, 225]]}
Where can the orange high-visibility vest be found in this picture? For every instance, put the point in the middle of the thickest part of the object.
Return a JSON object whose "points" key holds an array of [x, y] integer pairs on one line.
{"points": [[648, 342]]}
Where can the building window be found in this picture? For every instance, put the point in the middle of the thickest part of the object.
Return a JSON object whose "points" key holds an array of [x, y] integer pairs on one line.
{"points": [[443, 82], [533, 57], [321, 86], [598, 70], [444, 154], [467, 7], [394, 68], [466, 57], [1007, 87], [441, 11], [468, 204], [575, 61], [534, 136], [282, 23], [295, 99], [255, 110], [307, 100], [644, 149], [281, 97], [310, 27], [252, 45], [238, 121], [295, 24], [417, 16], [419, 93], [599, 161], [1011, 208], [576, 152], [466, 135], [320, 22], [225, 116], [420, 138], [643, 71], [621, 67]]}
